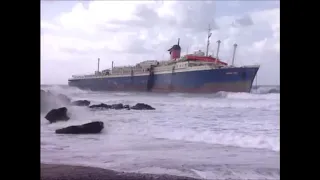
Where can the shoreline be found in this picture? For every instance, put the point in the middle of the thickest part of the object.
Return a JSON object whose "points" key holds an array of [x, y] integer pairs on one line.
{"points": [[77, 172]]}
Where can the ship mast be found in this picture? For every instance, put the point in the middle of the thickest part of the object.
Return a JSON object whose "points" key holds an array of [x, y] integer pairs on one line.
{"points": [[234, 52], [98, 64], [208, 41], [217, 57]]}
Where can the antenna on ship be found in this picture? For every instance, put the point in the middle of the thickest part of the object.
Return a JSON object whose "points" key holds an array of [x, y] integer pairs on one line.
{"points": [[98, 64], [234, 52], [208, 41], [218, 49]]}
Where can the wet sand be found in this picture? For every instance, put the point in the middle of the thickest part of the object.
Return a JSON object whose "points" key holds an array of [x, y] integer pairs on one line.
{"points": [[68, 172]]}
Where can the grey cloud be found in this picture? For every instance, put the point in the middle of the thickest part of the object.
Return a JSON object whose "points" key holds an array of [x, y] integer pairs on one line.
{"points": [[137, 47], [195, 20], [243, 21], [188, 18]]}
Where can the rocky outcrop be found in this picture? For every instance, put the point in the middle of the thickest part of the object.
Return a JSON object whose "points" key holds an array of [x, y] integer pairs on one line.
{"points": [[117, 106], [274, 91], [106, 106], [142, 106], [138, 106], [88, 128], [59, 114], [81, 103], [100, 106]]}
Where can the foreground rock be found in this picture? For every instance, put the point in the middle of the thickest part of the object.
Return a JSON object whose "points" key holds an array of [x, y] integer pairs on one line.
{"points": [[81, 103], [68, 172], [59, 114], [88, 128], [142, 106]]}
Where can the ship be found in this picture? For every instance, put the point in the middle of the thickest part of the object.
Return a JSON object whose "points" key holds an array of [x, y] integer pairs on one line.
{"points": [[192, 73]]}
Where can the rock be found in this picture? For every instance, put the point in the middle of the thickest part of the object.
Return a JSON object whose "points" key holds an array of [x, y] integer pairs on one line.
{"points": [[59, 114], [117, 106], [139, 106], [88, 128], [112, 106], [81, 103], [100, 106], [274, 91], [142, 106]]}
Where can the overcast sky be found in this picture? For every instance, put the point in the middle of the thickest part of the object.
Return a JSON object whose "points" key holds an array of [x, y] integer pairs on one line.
{"points": [[74, 34]]}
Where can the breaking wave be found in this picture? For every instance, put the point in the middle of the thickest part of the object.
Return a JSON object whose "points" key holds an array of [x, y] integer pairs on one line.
{"points": [[174, 107]]}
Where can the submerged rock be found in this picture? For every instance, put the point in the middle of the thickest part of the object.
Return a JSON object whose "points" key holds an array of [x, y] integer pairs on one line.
{"points": [[142, 106], [100, 106], [138, 106], [59, 114], [117, 106], [88, 128]]}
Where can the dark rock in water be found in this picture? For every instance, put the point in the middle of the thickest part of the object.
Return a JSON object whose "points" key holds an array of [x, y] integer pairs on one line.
{"points": [[57, 115], [117, 106], [88, 128], [139, 106], [274, 91], [112, 106], [81, 103], [100, 106], [142, 106]]}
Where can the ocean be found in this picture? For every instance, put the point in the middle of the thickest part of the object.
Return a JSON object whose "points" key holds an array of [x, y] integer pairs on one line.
{"points": [[213, 136]]}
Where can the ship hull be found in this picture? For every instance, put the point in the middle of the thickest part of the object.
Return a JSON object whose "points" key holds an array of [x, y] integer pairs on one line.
{"points": [[199, 81]]}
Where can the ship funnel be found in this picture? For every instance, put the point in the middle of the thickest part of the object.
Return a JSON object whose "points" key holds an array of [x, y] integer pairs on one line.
{"points": [[234, 52], [175, 51]]}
